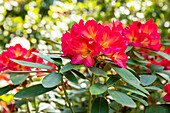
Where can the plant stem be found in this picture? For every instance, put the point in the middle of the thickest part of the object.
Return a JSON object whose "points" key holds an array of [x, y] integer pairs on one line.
{"points": [[68, 101], [26, 99], [90, 95], [36, 110], [118, 107], [28, 109]]}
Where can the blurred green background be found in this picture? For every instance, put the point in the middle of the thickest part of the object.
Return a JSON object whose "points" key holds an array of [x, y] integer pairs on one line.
{"points": [[49, 19]]}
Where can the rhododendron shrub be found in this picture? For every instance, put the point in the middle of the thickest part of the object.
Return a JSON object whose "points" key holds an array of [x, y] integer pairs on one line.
{"points": [[102, 65]]}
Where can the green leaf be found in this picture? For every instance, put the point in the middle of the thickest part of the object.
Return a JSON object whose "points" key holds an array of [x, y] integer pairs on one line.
{"points": [[113, 79], [19, 103], [51, 80], [128, 49], [141, 88], [98, 71], [156, 68], [33, 91], [126, 75], [5, 89], [57, 59], [161, 108], [68, 67], [165, 76], [130, 89], [97, 89], [147, 79], [164, 55], [129, 78], [78, 74], [139, 99], [122, 98], [31, 64], [166, 72], [70, 76], [100, 105], [18, 78], [138, 55], [51, 41], [45, 57], [153, 88], [133, 62]]}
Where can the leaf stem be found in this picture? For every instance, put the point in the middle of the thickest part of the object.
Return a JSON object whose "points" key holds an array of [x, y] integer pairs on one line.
{"points": [[118, 107], [90, 95], [68, 101], [28, 109], [36, 110]]}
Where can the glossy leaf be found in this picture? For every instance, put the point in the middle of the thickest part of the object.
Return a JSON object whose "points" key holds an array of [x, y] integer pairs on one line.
{"points": [[133, 62], [165, 76], [166, 72], [68, 67], [18, 78], [147, 79], [70, 76], [153, 88], [98, 71], [51, 80], [5, 89], [97, 89], [79, 74], [129, 78], [33, 91], [57, 59], [51, 41], [128, 49], [156, 68], [113, 79], [127, 75], [45, 57], [139, 99], [138, 55], [130, 89], [122, 98], [141, 88], [31, 64], [100, 105], [164, 55]]}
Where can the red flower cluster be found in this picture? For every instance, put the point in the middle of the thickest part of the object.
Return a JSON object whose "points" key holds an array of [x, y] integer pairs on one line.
{"points": [[143, 35], [167, 96], [19, 53], [88, 40]]}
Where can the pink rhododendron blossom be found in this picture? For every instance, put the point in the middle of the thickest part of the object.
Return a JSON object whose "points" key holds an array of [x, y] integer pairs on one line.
{"points": [[88, 40], [19, 53], [143, 35], [90, 29]]}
